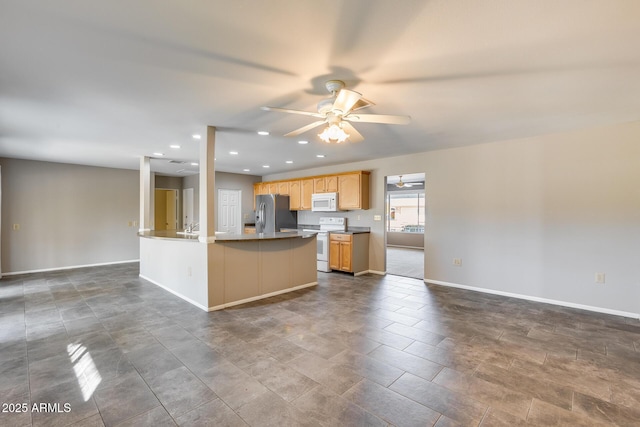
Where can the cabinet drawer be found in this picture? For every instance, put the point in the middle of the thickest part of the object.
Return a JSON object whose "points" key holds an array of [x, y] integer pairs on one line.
{"points": [[340, 237]]}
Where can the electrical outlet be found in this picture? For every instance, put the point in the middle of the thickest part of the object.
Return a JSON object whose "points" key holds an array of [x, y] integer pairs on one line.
{"points": [[188, 271], [600, 278], [135, 223], [358, 218], [16, 227], [457, 262]]}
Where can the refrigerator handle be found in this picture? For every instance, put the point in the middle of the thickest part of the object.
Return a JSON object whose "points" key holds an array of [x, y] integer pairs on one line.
{"points": [[260, 220]]}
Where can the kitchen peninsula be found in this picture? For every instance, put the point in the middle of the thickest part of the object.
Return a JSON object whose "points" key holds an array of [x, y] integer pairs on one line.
{"points": [[213, 270], [233, 269]]}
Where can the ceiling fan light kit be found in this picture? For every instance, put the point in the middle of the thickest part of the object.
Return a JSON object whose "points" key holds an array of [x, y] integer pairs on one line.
{"points": [[333, 133], [336, 112]]}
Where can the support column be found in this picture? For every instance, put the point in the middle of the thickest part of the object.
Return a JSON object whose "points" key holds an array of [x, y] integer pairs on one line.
{"points": [[207, 186], [145, 194]]}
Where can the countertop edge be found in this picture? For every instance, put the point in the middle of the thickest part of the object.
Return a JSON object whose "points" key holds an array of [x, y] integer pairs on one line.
{"points": [[228, 238]]}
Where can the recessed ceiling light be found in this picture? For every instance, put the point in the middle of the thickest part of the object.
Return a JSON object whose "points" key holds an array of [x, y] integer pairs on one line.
{"points": [[246, 170], [196, 136], [320, 155], [194, 164], [233, 153], [175, 146], [289, 161], [265, 166], [303, 142], [158, 154], [263, 132]]}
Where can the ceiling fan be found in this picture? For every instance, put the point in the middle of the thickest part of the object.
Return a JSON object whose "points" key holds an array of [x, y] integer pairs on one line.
{"points": [[337, 111], [401, 184]]}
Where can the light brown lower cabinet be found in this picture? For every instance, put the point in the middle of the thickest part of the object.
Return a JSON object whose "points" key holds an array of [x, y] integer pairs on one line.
{"points": [[349, 252]]}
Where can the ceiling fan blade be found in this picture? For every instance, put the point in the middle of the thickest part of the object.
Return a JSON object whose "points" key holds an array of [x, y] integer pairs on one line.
{"points": [[345, 100], [379, 118], [286, 110], [354, 135], [303, 129]]}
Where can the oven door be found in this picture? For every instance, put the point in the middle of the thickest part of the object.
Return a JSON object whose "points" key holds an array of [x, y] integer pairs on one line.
{"points": [[323, 246]]}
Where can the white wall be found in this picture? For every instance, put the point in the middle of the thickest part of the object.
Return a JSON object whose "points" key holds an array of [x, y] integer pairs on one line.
{"points": [[69, 215], [536, 217]]}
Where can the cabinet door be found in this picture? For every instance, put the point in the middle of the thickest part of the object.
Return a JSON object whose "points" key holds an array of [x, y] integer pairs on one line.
{"points": [[294, 195], [273, 188], [306, 190], [345, 256], [319, 185], [349, 191], [283, 188], [331, 183], [334, 255]]}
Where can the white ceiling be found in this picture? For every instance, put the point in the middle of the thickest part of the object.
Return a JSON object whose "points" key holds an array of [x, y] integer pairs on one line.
{"points": [[103, 83]]}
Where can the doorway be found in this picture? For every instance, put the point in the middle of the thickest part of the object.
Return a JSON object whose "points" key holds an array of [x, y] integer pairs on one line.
{"points": [[187, 208], [405, 224], [229, 211], [166, 209]]}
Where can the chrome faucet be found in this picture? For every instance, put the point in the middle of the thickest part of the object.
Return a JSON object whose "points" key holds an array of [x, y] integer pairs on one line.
{"points": [[191, 227]]}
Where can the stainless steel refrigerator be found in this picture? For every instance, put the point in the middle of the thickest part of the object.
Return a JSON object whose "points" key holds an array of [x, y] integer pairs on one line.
{"points": [[273, 214]]}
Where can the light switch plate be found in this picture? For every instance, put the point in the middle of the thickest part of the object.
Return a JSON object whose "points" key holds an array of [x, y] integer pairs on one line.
{"points": [[377, 217]]}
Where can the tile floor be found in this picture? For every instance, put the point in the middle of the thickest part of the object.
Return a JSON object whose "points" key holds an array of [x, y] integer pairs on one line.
{"points": [[353, 351], [405, 262]]}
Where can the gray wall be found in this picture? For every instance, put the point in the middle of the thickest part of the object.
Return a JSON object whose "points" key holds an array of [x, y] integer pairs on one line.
{"points": [[535, 217], [69, 215], [226, 181], [233, 181]]}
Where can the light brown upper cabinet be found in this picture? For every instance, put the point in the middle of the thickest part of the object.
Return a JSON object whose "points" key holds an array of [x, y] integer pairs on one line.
{"points": [[306, 190], [353, 190], [283, 188], [325, 184], [294, 196]]}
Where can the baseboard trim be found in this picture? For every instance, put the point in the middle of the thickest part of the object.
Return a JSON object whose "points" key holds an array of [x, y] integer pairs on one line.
{"points": [[537, 299], [380, 273], [263, 296], [229, 304], [406, 247], [171, 291], [71, 267]]}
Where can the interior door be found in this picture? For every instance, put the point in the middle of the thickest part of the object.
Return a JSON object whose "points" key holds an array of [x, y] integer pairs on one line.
{"points": [[166, 209], [229, 211], [172, 209]]}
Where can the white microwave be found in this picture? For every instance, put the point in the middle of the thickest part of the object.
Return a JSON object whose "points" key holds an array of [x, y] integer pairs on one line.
{"points": [[324, 202]]}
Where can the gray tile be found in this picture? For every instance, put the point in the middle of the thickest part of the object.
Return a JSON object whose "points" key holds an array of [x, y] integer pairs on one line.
{"points": [[321, 403], [213, 414], [123, 398], [234, 386], [153, 361], [456, 406], [368, 367], [180, 391], [407, 362], [284, 381], [155, 417], [390, 405], [76, 394], [269, 410]]}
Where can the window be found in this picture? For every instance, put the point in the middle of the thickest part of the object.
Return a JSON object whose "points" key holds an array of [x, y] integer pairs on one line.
{"points": [[405, 211]]}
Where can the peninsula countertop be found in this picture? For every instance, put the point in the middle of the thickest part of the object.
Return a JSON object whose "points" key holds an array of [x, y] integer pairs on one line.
{"points": [[225, 237]]}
